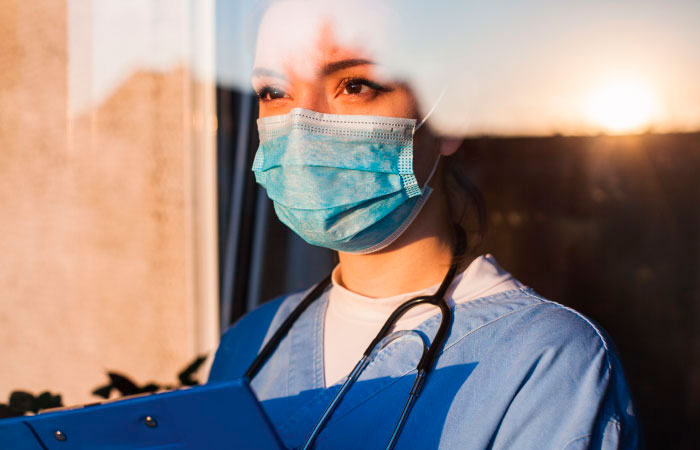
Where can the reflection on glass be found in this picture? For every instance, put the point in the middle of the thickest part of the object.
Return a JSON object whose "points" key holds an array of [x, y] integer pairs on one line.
{"points": [[104, 124], [534, 68]]}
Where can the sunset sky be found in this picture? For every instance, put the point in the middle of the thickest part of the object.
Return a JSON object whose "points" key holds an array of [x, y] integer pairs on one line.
{"points": [[513, 68]]}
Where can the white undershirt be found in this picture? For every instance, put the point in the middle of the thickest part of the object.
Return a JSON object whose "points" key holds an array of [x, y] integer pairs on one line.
{"points": [[352, 320]]}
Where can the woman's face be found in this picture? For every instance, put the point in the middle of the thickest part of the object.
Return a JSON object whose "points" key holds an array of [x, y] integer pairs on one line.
{"points": [[299, 63], [328, 78]]}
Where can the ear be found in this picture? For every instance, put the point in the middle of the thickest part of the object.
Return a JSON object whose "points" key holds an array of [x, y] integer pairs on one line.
{"points": [[448, 146]]}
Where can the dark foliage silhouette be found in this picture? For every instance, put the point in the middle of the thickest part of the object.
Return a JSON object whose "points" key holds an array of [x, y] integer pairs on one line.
{"points": [[20, 402]]}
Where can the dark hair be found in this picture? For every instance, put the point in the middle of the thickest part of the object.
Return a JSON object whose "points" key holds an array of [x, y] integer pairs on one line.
{"points": [[465, 202]]}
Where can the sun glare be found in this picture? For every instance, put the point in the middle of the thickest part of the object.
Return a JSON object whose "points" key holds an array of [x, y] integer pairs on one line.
{"points": [[621, 106]]}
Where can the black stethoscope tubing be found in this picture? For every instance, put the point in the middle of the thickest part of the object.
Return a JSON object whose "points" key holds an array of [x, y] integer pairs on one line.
{"points": [[424, 366]]}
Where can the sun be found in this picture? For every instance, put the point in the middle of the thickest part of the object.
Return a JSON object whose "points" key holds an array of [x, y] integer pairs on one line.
{"points": [[621, 106]]}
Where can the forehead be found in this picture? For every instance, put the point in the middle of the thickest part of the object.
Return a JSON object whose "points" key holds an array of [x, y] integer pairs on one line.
{"points": [[301, 36]]}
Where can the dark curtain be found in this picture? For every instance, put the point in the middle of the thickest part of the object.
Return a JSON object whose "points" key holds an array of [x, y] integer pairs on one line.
{"points": [[259, 258]]}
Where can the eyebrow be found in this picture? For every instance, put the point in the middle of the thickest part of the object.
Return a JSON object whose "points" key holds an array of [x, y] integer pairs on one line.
{"points": [[327, 69], [263, 72], [343, 64]]}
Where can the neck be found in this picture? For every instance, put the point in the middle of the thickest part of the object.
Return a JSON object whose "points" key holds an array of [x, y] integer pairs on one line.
{"points": [[418, 259]]}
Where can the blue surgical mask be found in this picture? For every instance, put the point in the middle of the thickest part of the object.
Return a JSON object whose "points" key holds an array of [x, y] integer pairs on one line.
{"points": [[344, 182]]}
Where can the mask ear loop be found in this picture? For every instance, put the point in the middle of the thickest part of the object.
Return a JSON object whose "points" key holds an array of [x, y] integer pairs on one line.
{"points": [[432, 171], [420, 124], [442, 93]]}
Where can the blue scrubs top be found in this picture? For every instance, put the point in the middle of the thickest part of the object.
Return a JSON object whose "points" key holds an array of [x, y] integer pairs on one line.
{"points": [[517, 372]]}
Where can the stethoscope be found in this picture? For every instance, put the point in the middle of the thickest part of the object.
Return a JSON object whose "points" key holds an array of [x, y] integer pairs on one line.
{"points": [[425, 364]]}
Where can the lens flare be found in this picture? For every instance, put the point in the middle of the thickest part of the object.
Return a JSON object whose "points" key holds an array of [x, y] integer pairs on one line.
{"points": [[622, 106]]}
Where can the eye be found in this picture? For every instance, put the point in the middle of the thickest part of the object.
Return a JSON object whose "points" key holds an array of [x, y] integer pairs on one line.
{"points": [[361, 86], [355, 87], [269, 93]]}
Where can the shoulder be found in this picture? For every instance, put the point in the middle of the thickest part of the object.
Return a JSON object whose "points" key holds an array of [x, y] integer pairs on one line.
{"points": [[241, 342], [522, 318], [555, 365], [539, 335]]}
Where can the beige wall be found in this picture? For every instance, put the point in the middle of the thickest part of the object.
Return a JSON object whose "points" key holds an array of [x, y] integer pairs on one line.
{"points": [[105, 215]]}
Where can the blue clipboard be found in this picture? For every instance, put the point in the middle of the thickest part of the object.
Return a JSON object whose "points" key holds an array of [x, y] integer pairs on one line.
{"points": [[214, 416]]}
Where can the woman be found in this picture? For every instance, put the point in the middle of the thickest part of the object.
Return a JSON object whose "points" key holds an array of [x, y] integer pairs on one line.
{"points": [[349, 165]]}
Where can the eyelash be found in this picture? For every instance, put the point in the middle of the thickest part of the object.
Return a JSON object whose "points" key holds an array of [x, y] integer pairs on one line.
{"points": [[363, 81], [263, 92], [268, 90]]}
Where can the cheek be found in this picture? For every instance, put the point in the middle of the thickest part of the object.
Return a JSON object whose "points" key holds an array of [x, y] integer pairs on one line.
{"points": [[400, 103], [397, 103], [266, 110]]}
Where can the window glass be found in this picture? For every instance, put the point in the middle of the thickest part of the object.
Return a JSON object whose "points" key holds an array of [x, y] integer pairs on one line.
{"points": [[107, 206], [581, 130], [132, 232]]}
